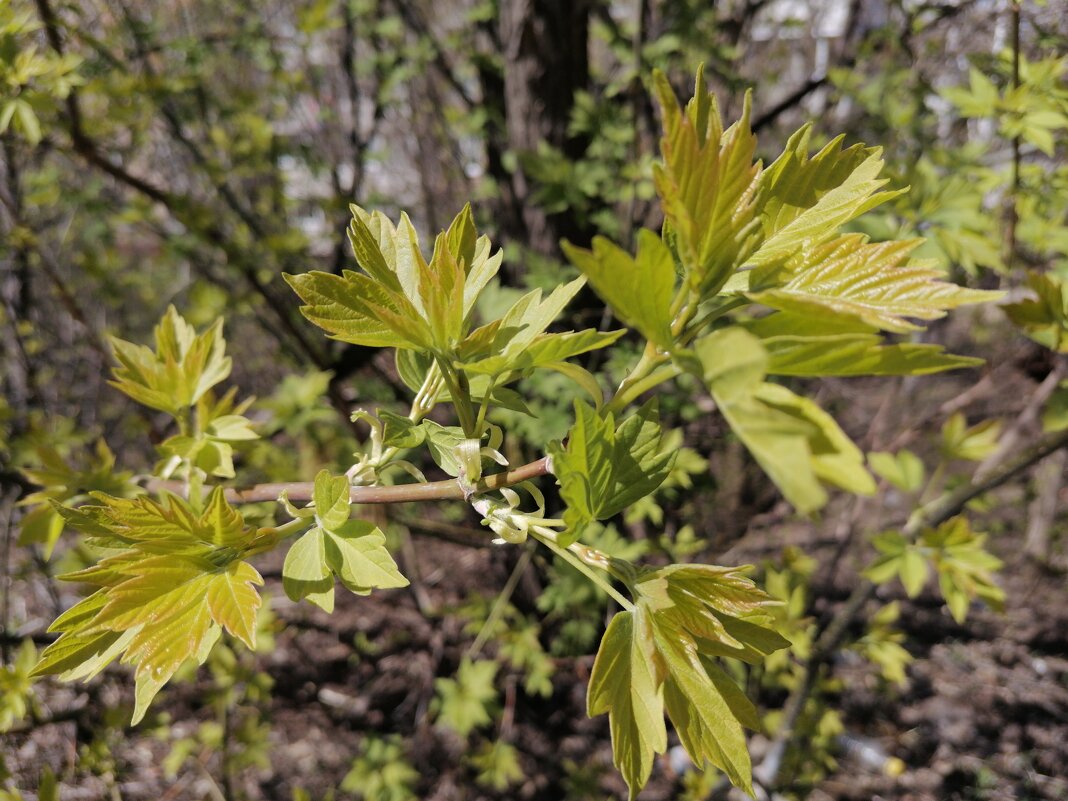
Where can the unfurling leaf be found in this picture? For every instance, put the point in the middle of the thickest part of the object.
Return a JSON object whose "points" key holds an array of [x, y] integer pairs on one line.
{"points": [[401, 300], [517, 342], [176, 375], [706, 184], [805, 199]]}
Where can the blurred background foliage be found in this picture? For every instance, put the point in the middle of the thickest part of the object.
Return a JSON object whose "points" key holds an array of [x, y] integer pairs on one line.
{"points": [[189, 153]]}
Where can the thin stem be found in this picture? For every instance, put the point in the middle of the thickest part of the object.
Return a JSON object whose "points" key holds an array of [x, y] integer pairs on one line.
{"points": [[683, 311], [448, 490], [483, 408], [500, 603], [933, 484], [696, 327], [547, 538], [1012, 210], [461, 397], [425, 400], [290, 529], [649, 361], [651, 381]]}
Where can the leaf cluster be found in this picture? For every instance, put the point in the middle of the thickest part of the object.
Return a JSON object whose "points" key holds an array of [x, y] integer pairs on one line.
{"points": [[176, 578], [956, 556], [352, 551], [660, 656]]}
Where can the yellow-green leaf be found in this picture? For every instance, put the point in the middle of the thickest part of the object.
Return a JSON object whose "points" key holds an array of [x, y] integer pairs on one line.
{"points": [[706, 185], [623, 684], [233, 600], [640, 289], [871, 283]]}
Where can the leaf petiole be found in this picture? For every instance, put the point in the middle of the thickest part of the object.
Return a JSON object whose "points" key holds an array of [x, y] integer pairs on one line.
{"points": [[547, 537]]}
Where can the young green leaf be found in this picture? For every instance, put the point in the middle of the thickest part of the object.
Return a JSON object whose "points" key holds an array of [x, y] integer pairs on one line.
{"points": [[796, 443], [465, 701], [624, 684], [661, 656], [517, 342], [1044, 317], [400, 300], [965, 568], [176, 375], [353, 550], [356, 553], [305, 573], [904, 469], [871, 283], [178, 580], [804, 200], [330, 495], [971, 444], [706, 185], [603, 469], [856, 355], [640, 289], [901, 558]]}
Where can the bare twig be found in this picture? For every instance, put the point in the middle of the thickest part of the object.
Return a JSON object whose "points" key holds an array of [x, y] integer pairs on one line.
{"points": [[8, 504], [1042, 511], [1026, 419], [500, 604], [190, 213], [1012, 199], [449, 490]]}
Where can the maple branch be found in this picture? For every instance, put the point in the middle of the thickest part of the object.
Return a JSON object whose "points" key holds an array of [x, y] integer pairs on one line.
{"points": [[931, 514], [448, 490]]}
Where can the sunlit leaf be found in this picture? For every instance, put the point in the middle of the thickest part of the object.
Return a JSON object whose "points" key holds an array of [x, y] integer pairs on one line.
{"points": [[871, 283], [706, 185], [640, 289]]}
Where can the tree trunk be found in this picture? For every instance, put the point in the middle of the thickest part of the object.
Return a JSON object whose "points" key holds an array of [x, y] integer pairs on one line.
{"points": [[544, 44]]}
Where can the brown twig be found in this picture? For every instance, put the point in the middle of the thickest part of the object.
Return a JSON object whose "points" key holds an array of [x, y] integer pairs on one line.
{"points": [[1011, 202], [449, 490], [1025, 420]]}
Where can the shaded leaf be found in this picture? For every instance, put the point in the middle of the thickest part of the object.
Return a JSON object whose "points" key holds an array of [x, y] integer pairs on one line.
{"points": [[604, 469]]}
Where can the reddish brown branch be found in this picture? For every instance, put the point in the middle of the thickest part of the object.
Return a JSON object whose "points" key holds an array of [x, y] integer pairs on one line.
{"points": [[448, 490]]}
